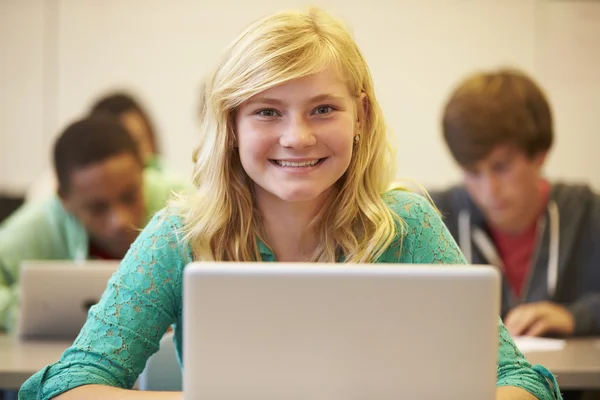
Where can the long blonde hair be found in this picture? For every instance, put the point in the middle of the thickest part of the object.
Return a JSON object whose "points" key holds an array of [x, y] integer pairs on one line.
{"points": [[221, 221]]}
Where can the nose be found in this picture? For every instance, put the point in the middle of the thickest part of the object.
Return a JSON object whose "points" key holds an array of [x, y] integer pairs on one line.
{"points": [[298, 134], [491, 186]]}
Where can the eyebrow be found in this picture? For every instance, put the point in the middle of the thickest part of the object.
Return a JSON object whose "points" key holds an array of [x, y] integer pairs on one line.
{"points": [[96, 204], [128, 190], [273, 101]]}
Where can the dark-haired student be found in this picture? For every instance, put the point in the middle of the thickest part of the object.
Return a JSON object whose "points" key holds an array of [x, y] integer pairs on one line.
{"points": [[130, 113], [105, 196]]}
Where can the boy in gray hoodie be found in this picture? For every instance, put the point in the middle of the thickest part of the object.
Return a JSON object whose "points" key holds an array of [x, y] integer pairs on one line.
{"points": [[543, 236]]}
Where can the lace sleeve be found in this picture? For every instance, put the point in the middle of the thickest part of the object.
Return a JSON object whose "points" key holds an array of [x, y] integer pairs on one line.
{"points": [[124, 329], [515, 370], [426, 240]]}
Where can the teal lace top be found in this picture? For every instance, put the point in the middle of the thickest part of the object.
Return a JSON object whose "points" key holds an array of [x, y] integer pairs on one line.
{"points": [[145, 297]]}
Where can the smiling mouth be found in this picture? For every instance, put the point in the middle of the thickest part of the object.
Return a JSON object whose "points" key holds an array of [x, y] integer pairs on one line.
{"points": [[298, 164]]}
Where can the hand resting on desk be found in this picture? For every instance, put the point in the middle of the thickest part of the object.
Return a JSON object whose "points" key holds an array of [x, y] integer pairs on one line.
{"points": [[97, 392], [93, 392], [513, 393], [540, 319]]}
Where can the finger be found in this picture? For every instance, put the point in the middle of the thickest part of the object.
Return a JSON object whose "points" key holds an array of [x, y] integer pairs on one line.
{"points": [[511, 321], [558, 320], [539, 328], [520, 320]]}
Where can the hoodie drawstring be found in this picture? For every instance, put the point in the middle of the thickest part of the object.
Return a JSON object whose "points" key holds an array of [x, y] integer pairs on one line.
{"points": [[483, 242]]}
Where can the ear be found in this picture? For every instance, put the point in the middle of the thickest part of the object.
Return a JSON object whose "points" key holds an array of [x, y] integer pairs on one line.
{"points": [[362, 110]]}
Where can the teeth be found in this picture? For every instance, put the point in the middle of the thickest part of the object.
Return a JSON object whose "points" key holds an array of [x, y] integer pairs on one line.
{"points": [[296, 164]]}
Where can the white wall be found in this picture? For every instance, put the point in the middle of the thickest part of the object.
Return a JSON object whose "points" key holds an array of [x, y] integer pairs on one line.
{"points": [[568, 65], [22, 117], [417, 51]]}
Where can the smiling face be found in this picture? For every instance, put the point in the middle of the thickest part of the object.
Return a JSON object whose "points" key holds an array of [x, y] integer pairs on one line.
{"points": [[295, 140]]}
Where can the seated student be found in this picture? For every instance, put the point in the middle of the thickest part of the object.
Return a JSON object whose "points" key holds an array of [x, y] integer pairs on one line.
{"points": [[136, 120], [498, 127], [105, 197], [292, 166]]}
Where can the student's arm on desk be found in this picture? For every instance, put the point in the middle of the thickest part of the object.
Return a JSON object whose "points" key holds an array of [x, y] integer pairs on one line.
{"points": [[8, 273], [8, 303], [123, 330], [581, 318], [513, 393], [97, 392], [15, 246], [586, 312], [8, 297], [37, 231], [93, 392], [516, 377], [586, 309], [431, 242]]}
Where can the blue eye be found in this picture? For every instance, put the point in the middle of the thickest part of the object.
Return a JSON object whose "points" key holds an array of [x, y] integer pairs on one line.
{"points": [[323, 110], [267, 112]]}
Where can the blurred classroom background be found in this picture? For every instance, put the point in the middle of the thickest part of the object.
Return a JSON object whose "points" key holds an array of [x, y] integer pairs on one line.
{"points": [[60, 55]]}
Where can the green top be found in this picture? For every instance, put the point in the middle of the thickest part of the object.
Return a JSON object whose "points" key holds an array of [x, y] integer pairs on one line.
{"points": [[44, 230], [155, 163], [145, 297]]}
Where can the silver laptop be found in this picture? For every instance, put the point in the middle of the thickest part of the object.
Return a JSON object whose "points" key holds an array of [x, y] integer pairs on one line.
{"points": [[55, 296], [275, 331]]}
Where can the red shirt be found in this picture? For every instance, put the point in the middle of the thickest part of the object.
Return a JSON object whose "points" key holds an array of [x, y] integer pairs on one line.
{"points": [[516, 250]]}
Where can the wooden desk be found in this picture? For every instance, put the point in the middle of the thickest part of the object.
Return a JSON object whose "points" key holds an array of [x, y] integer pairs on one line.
{"points": [[21, 359], [577, 366]]}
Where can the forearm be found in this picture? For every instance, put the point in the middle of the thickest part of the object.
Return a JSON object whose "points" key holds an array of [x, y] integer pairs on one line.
{"points": [[586, 312], [9, 289], [513, 393], [93, 392], [97, 392], [517, 378], [8, 303]]}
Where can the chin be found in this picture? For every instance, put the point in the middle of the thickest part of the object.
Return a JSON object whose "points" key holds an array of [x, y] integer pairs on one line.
{"points": [[300, 194], [297, 197], [505, 224], [292, 192]]}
